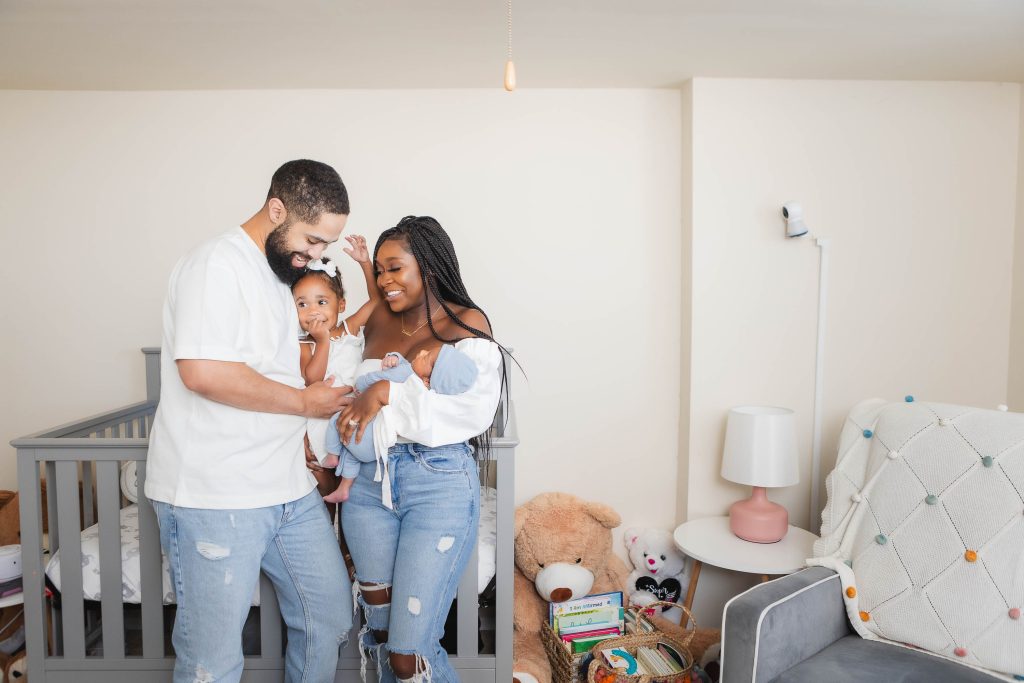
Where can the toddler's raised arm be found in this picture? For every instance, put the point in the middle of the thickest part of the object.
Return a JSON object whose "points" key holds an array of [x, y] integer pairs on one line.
{"points": [[359, 252]]}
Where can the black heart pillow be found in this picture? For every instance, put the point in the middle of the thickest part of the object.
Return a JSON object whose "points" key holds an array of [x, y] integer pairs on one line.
{"points": [[667, 590]]}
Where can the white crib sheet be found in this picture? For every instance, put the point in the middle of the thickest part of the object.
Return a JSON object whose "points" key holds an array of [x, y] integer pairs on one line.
{"points": [[131, 584], [130, 572]]}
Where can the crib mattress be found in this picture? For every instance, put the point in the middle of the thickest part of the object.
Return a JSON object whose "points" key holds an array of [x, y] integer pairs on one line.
{"points": [[131, 582], [131, 585]]}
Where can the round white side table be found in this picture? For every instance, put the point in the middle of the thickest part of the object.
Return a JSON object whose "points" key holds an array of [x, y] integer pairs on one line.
{"points": [[709, 541]]}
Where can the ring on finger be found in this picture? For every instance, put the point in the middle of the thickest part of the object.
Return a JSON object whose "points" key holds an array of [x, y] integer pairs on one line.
{"points": [[353, 423]]}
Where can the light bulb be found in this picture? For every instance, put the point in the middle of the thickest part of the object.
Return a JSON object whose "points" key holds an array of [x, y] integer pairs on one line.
{"points": [[510, 76]]}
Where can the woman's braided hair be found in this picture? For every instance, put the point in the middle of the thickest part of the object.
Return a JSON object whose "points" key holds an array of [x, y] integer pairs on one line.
{"points": [[433, 250]]}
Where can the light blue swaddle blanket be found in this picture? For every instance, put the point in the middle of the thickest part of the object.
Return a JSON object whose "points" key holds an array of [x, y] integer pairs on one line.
{"points": [[454, 372]]}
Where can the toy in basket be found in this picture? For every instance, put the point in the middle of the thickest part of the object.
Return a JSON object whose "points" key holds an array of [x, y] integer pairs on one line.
{"points": [[645, 656]]}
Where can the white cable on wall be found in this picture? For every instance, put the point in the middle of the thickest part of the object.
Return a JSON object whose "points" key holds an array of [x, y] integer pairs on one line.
{"points": [[819, 385], [793, 212]]}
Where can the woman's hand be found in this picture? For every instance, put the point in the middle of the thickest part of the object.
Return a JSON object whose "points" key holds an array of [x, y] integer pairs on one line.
{"points": [[361, 411]]}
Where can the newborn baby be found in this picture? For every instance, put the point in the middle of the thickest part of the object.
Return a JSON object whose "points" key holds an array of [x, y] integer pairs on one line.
{"points": [[444, 369]]}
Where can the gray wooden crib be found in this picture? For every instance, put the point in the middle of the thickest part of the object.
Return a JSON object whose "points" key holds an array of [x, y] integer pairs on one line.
{"points": [[122, 634]]}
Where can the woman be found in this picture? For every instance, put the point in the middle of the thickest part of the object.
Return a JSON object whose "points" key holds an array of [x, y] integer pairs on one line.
{"points": [[411, 524]]}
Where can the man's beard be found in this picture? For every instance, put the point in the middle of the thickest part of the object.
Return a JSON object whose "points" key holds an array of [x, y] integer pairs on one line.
{"points": [[280, 259]]}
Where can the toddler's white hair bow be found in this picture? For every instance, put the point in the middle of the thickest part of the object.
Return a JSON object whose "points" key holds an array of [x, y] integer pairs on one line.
{"points": [[329, 267]]}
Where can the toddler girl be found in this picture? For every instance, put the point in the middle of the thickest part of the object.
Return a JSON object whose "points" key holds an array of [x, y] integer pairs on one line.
{"points": [[332, 346]]}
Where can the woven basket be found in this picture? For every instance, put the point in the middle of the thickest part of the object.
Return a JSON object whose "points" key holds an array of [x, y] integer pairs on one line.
{"points": [[599, 669], [565, 666]]}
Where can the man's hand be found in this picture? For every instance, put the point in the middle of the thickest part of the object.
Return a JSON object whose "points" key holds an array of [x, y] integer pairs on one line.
{"points": [[357, 249], [320, 399]]}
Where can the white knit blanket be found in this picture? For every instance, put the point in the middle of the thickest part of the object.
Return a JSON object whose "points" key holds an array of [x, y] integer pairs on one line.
{"points": [[925, 525]]}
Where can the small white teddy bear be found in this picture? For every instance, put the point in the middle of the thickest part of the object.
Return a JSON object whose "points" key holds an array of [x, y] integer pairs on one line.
{"points": [[660, 571]]}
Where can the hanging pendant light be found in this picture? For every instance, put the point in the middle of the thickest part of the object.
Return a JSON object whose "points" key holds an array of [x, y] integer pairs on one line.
{"points": [[510, 67]]}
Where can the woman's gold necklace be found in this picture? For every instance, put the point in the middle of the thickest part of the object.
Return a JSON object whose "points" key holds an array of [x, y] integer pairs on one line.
{"points": [[420, 326]]}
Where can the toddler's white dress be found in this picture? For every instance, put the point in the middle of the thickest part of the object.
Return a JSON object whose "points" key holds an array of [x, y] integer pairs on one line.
{"points": [[345, 355]]}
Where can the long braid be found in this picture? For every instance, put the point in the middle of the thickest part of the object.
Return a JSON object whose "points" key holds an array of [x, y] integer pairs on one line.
{"points": [[439, 270]]}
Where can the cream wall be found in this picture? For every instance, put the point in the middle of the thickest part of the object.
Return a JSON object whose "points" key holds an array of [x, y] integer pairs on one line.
{"points": [[686, 273], [1016, 379], [915, 184], [564, 207]]}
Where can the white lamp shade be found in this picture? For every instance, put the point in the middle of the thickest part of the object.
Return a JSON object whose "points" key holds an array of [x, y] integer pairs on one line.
{"points": [[760, 447]]}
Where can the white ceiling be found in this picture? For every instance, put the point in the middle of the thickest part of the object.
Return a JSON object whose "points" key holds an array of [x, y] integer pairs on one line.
{"points": [[198, 44]]}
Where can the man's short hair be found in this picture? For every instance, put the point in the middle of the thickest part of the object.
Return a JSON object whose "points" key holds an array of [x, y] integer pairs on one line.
{"points": [[309, 189]]}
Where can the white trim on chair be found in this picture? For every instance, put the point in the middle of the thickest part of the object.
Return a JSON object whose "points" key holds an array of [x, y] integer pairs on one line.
{"points": [[760, 618], [725, 610]]}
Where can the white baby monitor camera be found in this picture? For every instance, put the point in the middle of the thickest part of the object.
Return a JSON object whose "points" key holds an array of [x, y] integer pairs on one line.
{"points": [[794, 215]]}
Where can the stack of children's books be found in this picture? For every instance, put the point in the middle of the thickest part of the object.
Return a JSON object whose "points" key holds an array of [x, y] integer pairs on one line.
{"points": [[582, 623], [634, 625], [662, 660]]}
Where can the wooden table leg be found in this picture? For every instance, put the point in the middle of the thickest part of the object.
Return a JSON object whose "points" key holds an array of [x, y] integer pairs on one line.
{"points": [[690, 590]]}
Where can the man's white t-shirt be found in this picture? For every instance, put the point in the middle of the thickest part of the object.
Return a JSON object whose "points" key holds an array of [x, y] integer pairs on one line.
{"points": [[225, 303]]}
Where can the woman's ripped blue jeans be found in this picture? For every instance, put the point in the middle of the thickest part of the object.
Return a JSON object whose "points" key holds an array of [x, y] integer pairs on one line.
{"points": [[418, 550]]}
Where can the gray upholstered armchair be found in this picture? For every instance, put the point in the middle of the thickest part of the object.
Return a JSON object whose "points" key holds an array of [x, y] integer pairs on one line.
{"points": [[795, 630]]}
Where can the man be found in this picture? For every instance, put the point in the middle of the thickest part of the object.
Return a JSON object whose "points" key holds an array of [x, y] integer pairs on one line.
{"points": [[226, 467]]}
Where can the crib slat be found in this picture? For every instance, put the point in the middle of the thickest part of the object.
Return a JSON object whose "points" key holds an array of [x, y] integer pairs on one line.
{"points": [[108, 493], [31, 557], [467, 629], [56, 628], [504, 563], [271, 643], [87, 494], [152, 373], [151, 573], [51, 506], [69, 523]]}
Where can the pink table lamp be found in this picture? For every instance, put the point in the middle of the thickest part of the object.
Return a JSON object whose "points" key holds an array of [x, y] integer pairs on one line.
{"points": [[760, 451]]}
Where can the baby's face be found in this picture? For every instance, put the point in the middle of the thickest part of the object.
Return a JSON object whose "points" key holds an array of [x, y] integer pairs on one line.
{"points": [[423, 364]]}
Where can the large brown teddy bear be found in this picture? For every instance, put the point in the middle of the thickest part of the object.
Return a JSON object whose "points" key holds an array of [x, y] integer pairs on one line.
{"points": [[563, 550], [14, 667]]}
